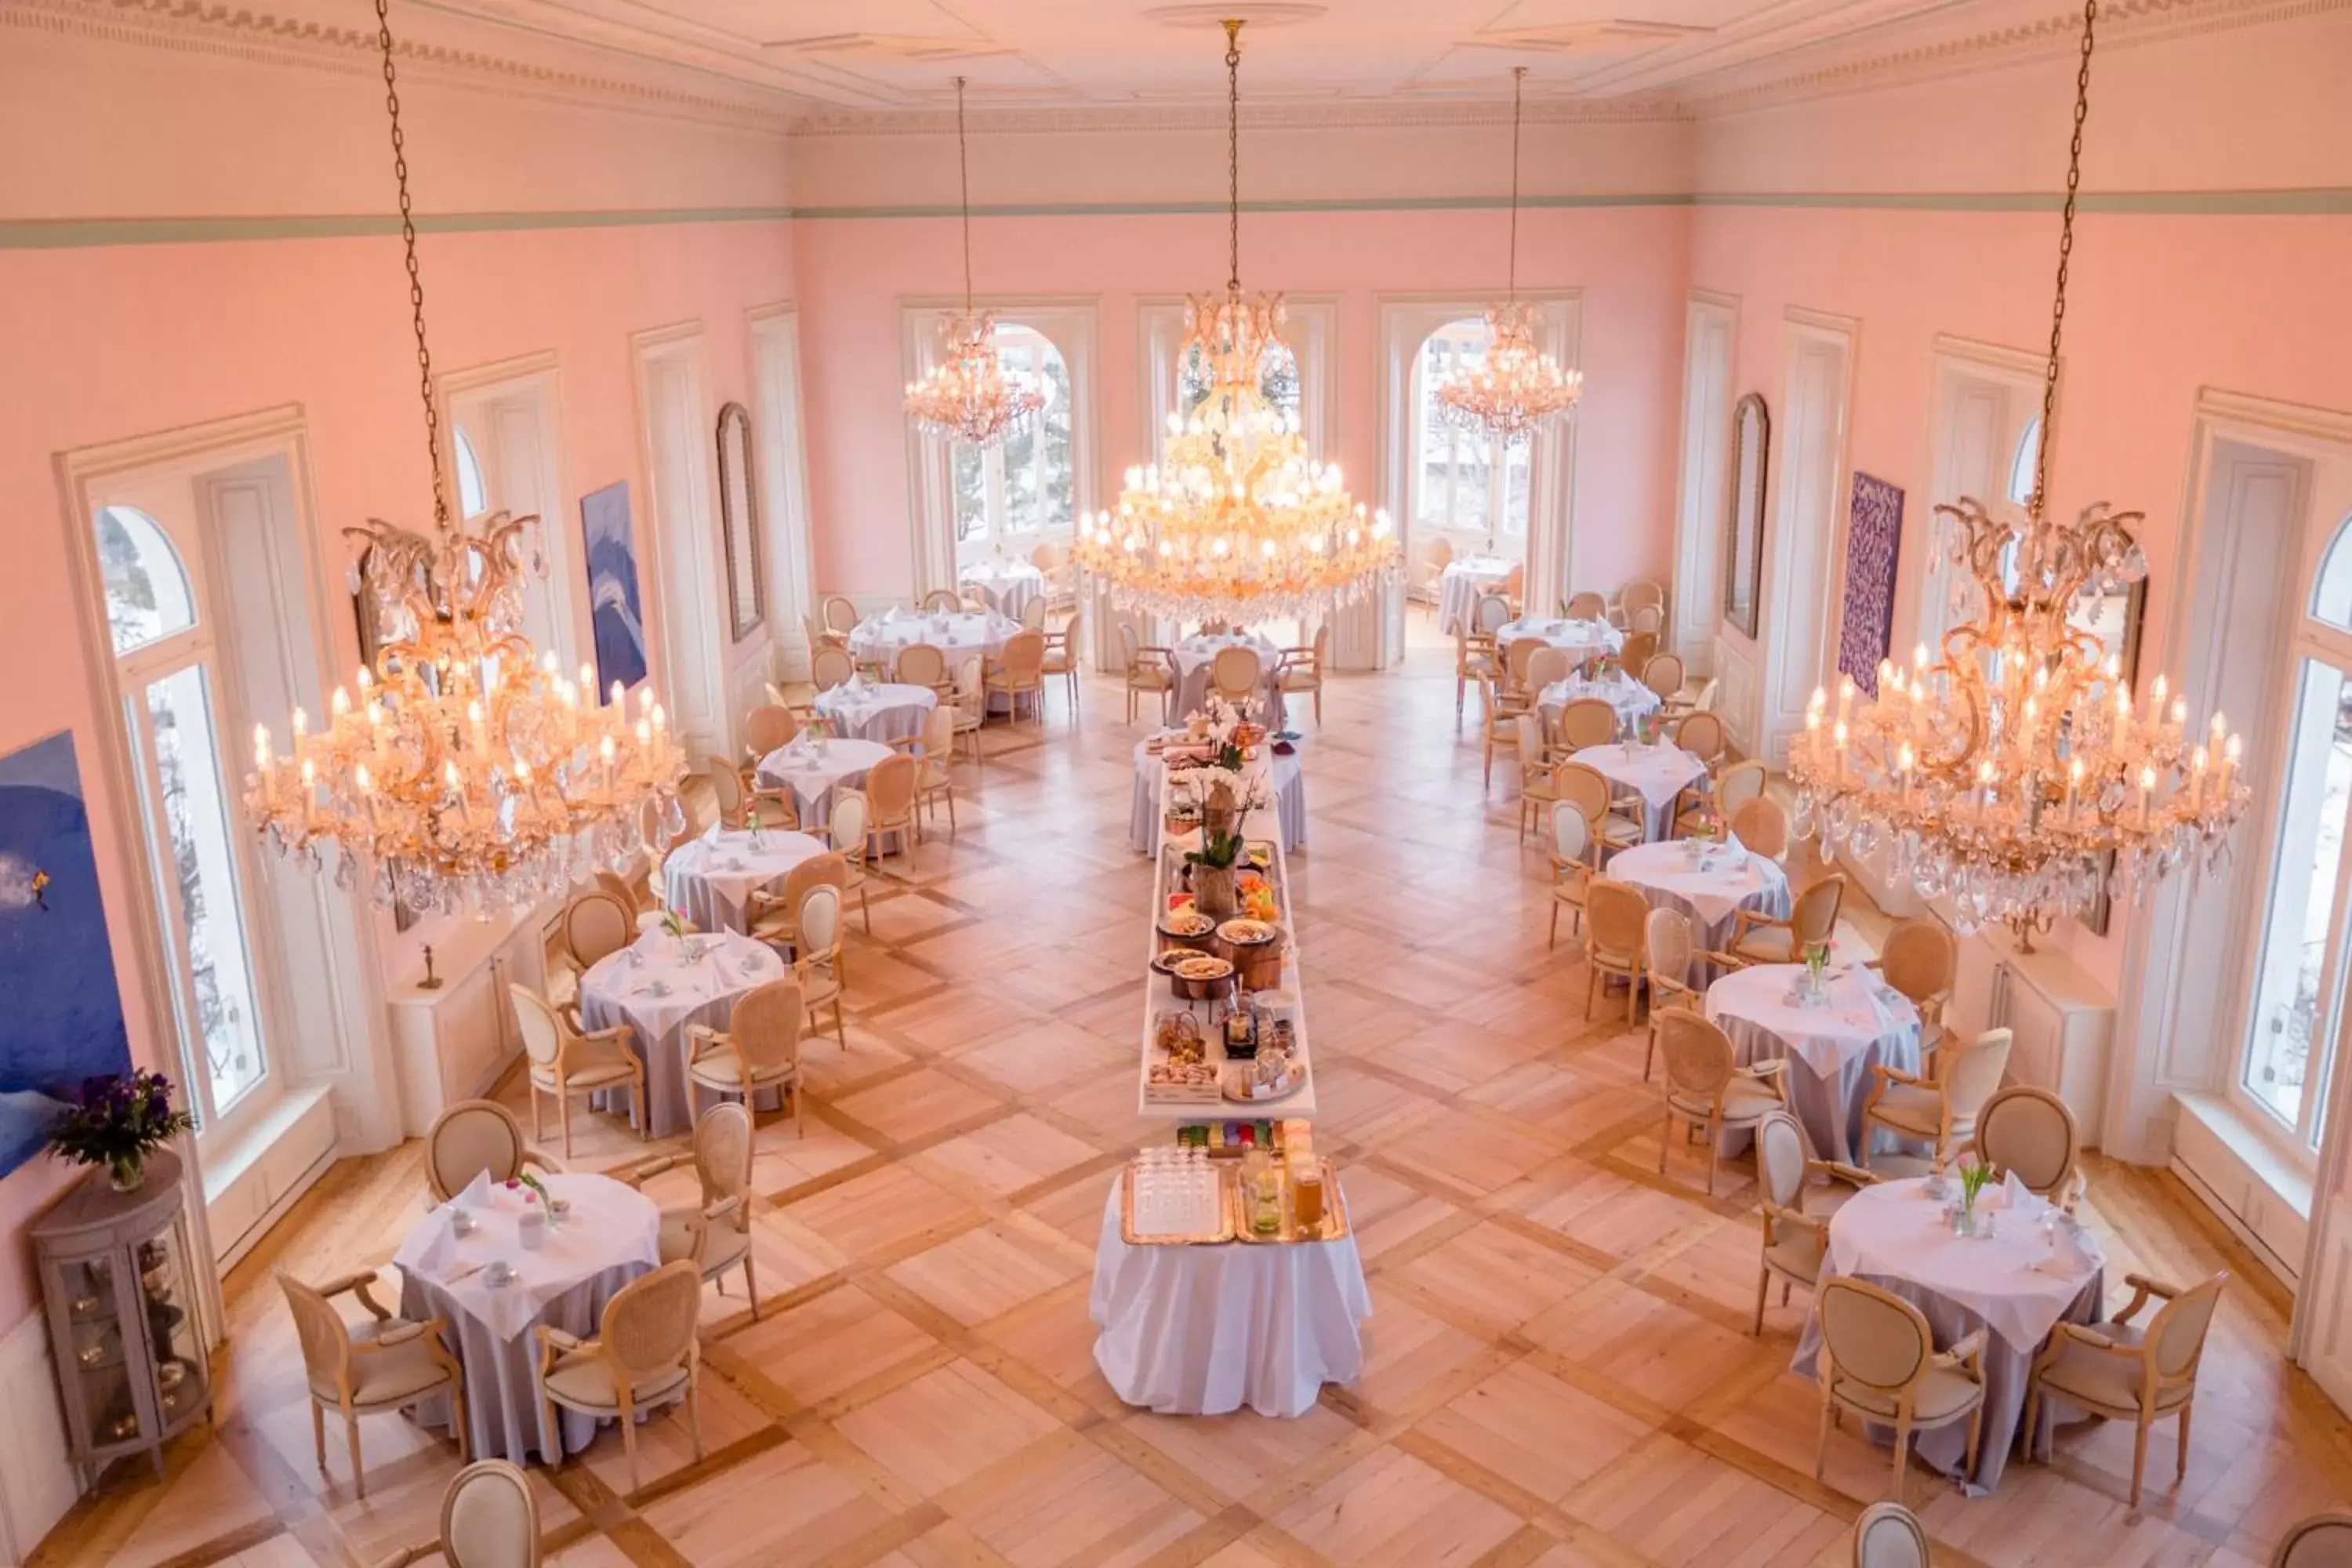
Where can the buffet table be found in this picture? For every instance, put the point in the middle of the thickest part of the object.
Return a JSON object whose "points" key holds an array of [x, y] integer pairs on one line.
{"points": [[1143, 811]]}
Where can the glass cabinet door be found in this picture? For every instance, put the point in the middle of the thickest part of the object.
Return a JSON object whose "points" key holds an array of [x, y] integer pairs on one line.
{"points": [[168, 1302], [100, 1359]]}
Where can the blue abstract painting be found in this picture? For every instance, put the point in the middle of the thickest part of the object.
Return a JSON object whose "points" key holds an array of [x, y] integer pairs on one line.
{"points": [[613, 605], [57, 967], [1874, 534]]}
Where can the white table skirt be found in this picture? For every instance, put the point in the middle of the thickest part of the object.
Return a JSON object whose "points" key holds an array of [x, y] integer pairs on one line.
{"points": [[612, 1238], [1202, 1330], [1828, 1076], [711, 879], [1194, 654], [1859, 1250], [1459, 588], [1711, 901], [614, 992], [813, 776], [1657, 773], [1289, 783], [1008, 589], [891, 710]]}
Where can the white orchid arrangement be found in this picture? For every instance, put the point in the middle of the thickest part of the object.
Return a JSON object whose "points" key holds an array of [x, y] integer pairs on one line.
{"points": [[1250, 790]]}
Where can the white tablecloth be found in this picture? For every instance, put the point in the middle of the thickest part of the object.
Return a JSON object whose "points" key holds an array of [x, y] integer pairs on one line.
{"points": [[1582, 639], [611, 1236], [711, 879], [1007, 585], [1283, 774], [1709, 892], [1830, 1049], [885, 711], [700, 990], [1657, 773], [1202, 1330], [1632, 700], [1194, 654], [1459, 588], [878, 638], [813, 775], [2016, 1284]]}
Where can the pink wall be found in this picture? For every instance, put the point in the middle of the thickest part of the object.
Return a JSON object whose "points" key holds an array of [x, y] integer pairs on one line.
{"points": [[110, 342], [1626, 260]]}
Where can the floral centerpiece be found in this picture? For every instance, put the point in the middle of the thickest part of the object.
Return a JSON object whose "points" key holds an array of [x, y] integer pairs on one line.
{"points": [[117, 1120], [1817, 962], [1974, 1174]]}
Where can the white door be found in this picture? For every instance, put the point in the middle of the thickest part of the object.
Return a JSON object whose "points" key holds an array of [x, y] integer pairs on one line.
{"points": [[689, 607], [1702, 501], [1806, 528]]}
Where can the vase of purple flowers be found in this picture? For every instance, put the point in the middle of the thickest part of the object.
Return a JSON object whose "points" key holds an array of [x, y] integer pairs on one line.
{"points": [[116, 1121]]}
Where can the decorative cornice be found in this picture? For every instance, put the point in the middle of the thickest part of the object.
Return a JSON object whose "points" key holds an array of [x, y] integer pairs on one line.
{"points": [[2123, 24], [1319, 115], [192, 26]]}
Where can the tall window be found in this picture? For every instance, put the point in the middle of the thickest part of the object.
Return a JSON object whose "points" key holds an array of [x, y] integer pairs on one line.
{"points": [[2294, 1014], [1020, 491], [171, 708], [1461, 482]]}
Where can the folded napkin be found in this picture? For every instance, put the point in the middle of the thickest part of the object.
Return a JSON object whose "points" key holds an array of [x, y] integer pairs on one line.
{"points": [[2027, 1203], [2073, 1252]]}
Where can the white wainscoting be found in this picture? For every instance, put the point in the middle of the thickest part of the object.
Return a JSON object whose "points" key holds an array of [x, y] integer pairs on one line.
{"points": [[37, 1478], [2256, 1192], [245, 1196]]}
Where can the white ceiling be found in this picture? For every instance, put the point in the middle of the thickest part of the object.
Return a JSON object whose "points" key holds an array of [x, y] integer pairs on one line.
{"points": [[887, 55]]}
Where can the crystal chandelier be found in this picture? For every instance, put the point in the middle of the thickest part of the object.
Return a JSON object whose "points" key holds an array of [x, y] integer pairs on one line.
{"points": [[1517, 387], [464, 770], [968, 396], [2005, 773], [1237, 521]]}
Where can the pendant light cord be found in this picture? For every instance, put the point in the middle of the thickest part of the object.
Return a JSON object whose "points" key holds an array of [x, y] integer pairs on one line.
{"points": [[2065, 254], [963, 182], [416, 279], [1234, 155], [1511, 287]]}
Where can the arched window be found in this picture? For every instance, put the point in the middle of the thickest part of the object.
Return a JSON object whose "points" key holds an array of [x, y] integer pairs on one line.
{"points": [[147, 596], [1023, 489], [473, 494], [2021, 466], [2331, 595], [1463, 482]]}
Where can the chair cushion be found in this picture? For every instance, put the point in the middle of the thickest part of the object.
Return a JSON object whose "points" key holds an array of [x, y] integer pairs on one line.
{"points": [[1912, 1108], [2098, 1378], [1743, 1096], [724, 1069], [1300, 680], [589, 1076], [1620, 830], [1768, 944], [1151, 678], [1943, 1393], [385, 1376], [585, 1382], [724, 1247], [1798, 1252]]}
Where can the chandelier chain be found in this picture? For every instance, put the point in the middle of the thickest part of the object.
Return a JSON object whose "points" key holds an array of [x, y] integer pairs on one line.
{"points": [[2065, 255], [415, 278], [963, 184], [1511, 266], [1234, 154]]}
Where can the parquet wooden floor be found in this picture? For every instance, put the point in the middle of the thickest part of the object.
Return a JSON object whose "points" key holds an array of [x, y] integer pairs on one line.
{"points": [[1559, 1368]]}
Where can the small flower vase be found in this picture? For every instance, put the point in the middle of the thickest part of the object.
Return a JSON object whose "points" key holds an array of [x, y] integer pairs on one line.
{"points": [[1213, 891], [1964, 1218], [530, 1229], [126, 1172]]}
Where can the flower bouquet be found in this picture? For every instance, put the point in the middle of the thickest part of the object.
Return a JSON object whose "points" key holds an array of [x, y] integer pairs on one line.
{"points": [[1975, 1175], [116, 1121]]}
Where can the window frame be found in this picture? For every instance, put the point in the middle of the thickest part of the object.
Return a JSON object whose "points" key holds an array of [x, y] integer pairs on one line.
{"points": [[995, 481], [1498, 453]]}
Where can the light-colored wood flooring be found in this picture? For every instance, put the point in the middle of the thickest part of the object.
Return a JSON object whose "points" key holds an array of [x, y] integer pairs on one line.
{"points": [[1560, 1369]]}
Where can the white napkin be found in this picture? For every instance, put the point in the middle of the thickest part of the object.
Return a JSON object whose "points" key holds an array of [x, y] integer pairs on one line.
{"points": [[2022, 1200], [432, 1260], [2073, 1252]]}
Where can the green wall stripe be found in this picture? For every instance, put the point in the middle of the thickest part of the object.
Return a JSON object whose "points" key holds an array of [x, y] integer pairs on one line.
{"points": [[64, 234]]}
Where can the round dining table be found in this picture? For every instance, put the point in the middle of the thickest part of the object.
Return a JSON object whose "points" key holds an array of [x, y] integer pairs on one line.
{"points": [[657, 986], [1707, 885], [1007, 585], [1657, 773], [1193, 655], [813, 768], [710, 879], [2017, 1284], [608, 1235], [1579, 640], [1465, 578], [1830, 1046], [877, 711], [878, 638], [1632, 700]]}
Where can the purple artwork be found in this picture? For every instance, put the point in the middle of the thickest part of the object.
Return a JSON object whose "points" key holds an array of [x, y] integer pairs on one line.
{"points": [[1873, 533]]}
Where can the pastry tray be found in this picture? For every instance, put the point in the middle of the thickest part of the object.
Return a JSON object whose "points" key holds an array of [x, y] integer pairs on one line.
{"points": [[1335, 1225], [1130, 1235]]}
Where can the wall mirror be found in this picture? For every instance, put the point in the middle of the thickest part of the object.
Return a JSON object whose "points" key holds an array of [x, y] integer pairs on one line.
{"points": [[739, 521], [1743, 540]]}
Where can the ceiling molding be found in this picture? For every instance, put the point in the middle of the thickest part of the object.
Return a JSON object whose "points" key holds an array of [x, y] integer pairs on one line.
{"points": [[262, 38], [2123, 24], [1319, 116]]}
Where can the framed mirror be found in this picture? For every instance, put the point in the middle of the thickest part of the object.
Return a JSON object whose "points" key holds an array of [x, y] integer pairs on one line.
{"points": [[739, 521], [1743, 539]]}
